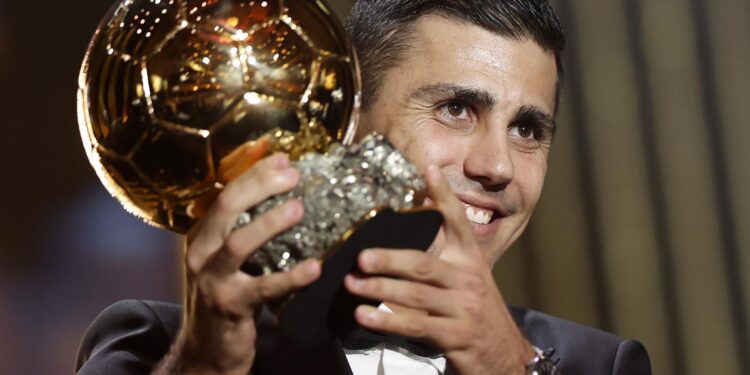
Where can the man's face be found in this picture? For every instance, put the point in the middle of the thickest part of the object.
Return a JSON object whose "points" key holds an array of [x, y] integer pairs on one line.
{"points": [[480, 107]]}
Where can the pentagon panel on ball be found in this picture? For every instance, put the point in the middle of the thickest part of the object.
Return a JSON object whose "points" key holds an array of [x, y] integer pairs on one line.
{"points": [[169, 88]]}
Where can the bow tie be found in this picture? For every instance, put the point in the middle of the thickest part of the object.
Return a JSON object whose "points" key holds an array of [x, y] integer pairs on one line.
{"points": [[360, 338]]}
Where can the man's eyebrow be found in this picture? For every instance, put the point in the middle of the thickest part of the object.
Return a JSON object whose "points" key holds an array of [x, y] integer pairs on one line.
{"points": [[444, 91], [453, 91], [536, 115]]}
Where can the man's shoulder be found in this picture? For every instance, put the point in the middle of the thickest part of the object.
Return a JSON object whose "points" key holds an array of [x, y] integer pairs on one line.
{"points": [[548, 328], [130, 336], [167, 313], [579, 348], [132, 314]]}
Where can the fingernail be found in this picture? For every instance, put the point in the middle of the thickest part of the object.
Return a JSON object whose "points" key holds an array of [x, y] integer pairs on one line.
{"points": [[292, 209], [281, 161], [354, 281], [312, 268], [368, 259], [289, 174], [367, 313]]}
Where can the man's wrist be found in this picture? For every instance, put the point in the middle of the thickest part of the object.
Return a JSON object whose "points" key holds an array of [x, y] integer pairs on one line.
{"points": [[541, 364], [527, 355], [183, 358]]}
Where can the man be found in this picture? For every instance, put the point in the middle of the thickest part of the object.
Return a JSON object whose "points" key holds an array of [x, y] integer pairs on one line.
{"points": [[467, 90]]}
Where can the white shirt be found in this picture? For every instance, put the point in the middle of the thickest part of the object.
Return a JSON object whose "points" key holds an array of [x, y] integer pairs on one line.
{"points": [[389, 359]]}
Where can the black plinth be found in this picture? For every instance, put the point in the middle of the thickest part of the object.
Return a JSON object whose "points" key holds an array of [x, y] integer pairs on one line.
{"points": [[324, 310]]}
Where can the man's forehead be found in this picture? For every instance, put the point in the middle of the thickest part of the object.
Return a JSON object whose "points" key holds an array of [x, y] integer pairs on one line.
{"points": [[446, 51], [474, 42]]}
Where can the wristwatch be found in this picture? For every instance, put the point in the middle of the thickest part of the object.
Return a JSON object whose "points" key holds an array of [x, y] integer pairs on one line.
{"points": [[542, 364]]}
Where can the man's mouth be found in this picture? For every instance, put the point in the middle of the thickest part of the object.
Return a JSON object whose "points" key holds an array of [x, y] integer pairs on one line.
{"points": [[479, 210], [484, 215], [485, 221], [479, 215]]}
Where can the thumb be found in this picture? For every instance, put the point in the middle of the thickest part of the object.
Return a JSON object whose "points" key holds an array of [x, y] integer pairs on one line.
{"points": [[459, 236]]}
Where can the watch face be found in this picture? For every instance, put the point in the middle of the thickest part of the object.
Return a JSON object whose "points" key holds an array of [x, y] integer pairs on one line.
{"points": [[542, 364]]}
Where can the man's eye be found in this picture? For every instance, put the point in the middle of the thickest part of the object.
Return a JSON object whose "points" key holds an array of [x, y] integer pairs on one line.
{"points": [[455, 111], [524, 131]]}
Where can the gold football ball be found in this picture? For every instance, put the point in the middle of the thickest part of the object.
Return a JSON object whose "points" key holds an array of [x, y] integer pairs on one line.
{"points": [[169, 88]]}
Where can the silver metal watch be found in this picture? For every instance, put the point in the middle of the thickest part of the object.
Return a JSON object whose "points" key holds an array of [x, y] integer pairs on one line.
{"points": [[542, 364]]}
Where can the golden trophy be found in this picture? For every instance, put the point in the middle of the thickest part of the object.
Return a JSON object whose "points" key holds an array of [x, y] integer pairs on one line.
{"points": [[170, 88]]}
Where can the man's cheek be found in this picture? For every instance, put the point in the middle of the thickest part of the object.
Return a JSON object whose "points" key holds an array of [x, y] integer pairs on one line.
{"points": [[530, 179], [439, 150], [403, 140]]}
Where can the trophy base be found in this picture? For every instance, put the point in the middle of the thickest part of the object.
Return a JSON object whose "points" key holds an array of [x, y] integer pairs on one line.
{"points": [[339, 190], [324, 310]]}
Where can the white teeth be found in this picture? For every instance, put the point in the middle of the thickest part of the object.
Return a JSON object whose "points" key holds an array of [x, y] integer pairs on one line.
{"points": [[478, 215]]}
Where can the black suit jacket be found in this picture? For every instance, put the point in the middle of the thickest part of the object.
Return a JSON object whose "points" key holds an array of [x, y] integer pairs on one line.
{"points": [[130, 337]]}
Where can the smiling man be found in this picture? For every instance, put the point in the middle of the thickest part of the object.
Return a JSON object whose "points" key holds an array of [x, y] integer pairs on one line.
{"points": [[468, 91], [480, 107]]}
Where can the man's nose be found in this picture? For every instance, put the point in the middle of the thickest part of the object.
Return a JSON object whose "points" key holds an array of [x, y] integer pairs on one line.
{"points": [[489, 160]]}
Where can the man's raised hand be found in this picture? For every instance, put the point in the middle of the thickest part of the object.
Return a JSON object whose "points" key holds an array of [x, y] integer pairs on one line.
{"points": [[221, 302], [450, 300]]}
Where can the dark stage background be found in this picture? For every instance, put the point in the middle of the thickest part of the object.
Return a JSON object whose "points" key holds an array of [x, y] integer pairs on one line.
{"points": [[643, 228]]}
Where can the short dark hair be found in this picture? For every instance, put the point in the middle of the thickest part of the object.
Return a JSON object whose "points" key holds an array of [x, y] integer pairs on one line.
{"points": [[382, 30]]}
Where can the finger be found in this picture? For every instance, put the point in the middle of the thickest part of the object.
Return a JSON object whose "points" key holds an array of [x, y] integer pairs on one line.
{"points": [[411, 294], [241, 159], [245, 240], [460, 244], [411, 265], [280, 284], [444, 332], [270, 176], [456, 226], [203, 203], [230, 167], [266, 178]]}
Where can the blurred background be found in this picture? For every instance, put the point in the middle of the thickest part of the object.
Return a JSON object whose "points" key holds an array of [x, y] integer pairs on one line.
{"points": [[643, 228]]}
